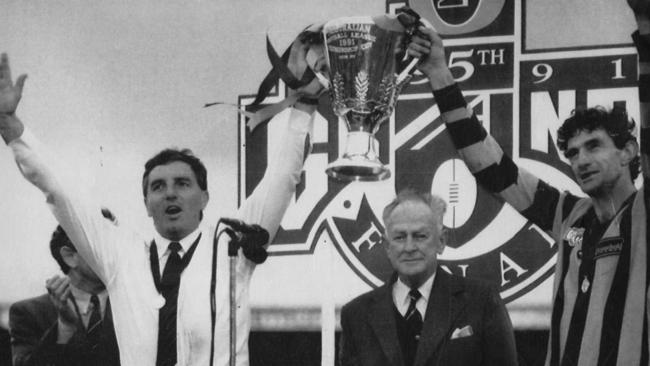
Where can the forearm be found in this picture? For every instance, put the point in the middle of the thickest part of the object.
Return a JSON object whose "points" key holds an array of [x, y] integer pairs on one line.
{"points": [[270, 199], [440, 78], [482, 154], [64, 332], [11, 127], [81, 220]]}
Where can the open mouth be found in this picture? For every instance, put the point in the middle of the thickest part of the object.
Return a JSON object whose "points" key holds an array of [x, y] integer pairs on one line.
{"points": [[586, 175], [172, 210]]}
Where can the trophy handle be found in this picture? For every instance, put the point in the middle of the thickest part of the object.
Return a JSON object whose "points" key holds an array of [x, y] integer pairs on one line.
{"points": [[410, 20]]}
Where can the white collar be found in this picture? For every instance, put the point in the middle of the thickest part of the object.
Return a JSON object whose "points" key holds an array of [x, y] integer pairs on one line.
{"points": [[162, 243], [401, 291], [82, 298]]}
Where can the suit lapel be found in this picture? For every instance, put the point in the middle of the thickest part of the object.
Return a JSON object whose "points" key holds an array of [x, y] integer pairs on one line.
{"points": [[445, 304], [382, 321]]}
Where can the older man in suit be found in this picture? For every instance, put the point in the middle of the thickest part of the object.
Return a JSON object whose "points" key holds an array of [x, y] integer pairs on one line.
{"points": [[424, 316]]}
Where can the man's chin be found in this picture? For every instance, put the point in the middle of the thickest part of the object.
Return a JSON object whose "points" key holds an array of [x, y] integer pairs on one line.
{"points": [[591, 188], [412, 272], [172, 232], [176, 229]]}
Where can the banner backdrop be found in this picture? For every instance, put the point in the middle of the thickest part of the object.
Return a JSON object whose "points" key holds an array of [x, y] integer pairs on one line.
{"points": [[329, 247]]}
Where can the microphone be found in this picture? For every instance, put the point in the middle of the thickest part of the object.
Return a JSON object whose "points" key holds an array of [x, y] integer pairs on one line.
{"points": [[251, 238]]}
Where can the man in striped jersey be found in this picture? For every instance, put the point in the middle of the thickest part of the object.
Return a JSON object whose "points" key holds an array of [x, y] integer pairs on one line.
{"points": [[599, 307]]}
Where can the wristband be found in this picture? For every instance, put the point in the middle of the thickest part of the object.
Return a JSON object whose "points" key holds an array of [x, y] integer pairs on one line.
{"points": [[449, 98]]}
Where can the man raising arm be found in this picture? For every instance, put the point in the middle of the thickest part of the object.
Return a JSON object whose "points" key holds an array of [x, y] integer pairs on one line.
{"points": [[161, 290], [599, 306]]}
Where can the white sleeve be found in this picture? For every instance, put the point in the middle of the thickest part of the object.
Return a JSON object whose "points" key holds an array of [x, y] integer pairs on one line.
{"points": [[93, 236], [268, 202]]}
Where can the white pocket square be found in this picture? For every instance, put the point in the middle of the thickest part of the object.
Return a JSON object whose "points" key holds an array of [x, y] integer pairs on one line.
{"points": [[465, 331]]}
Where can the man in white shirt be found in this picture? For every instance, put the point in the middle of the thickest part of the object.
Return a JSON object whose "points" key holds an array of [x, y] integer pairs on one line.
{"points": [[424, 316], [175, 196]]}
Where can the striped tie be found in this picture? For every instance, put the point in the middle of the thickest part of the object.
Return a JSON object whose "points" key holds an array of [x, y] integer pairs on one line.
{"points": [[413, 316]]}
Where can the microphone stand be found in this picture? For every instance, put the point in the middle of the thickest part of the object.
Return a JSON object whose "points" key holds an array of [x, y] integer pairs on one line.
{"points": [[233, 248], [237, 231]]}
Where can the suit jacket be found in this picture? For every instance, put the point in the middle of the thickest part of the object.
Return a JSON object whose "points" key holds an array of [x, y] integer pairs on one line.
{"points": [[369, 336], [33, 327]]}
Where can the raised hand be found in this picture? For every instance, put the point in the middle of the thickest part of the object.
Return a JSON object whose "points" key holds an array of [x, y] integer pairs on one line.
{"points": [[304, 55], [426, 45], [10, 93], [60, 293]]}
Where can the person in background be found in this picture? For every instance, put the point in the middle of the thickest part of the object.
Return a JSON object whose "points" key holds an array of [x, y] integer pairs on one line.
{"points": [[72, 324]]}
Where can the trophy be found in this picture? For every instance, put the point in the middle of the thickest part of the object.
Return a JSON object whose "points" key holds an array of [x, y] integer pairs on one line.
{"points": [[365, 55]]}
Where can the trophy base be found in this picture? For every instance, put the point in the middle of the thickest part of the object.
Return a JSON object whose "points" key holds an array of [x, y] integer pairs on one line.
{"points": [[357, 170], [360, 162]]}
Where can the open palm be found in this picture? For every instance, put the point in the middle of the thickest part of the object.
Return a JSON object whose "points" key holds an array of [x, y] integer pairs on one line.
{"points": [[10, 93]]}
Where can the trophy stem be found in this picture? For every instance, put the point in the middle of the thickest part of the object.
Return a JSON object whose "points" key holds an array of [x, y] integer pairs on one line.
{"points": [[360, 162]]}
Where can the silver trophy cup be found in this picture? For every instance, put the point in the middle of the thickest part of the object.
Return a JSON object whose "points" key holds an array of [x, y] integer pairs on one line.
{"points": [[363, 58]]}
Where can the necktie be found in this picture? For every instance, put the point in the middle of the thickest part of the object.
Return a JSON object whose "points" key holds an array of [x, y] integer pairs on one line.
{"points": [[172, 273], [167, 315], [95, 315], [413, 316], [94, 323]]}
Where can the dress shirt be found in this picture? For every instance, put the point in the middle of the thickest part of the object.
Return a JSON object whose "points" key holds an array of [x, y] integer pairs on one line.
{"points": [[401, 297], [82, 298], [162, 246], [120, 255]]}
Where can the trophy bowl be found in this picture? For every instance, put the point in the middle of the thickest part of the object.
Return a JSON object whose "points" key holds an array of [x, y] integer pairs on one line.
{"points": [[364, 55]]}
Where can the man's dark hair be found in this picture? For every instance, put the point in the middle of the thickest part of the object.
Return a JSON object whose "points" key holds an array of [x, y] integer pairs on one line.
{"points": [[614, 122], [60, 239], [171, 155]]}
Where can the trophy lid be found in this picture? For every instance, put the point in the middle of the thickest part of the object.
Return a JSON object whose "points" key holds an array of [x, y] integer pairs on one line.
{"points": [[342, 21], [386, 21]]}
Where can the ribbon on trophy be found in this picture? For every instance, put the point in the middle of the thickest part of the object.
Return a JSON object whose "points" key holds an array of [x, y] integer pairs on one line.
{"points": [[304, 61], [303, 57]]}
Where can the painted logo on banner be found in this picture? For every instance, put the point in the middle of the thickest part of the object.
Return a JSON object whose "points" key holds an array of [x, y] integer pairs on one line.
{"points": [[487, 238]]}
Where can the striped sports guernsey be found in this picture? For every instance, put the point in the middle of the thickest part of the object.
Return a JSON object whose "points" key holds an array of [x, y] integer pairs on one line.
{"points": [[599, 314]]}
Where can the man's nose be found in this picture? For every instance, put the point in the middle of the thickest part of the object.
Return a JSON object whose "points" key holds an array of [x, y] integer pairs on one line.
{"points": [[410, 244], [170, 192], [583, 159]]}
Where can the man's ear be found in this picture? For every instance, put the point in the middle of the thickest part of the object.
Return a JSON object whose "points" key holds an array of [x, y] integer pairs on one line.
{"points": [[147, 207], [629, 152], [205, 199], [443, 240], [70, 256]]}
